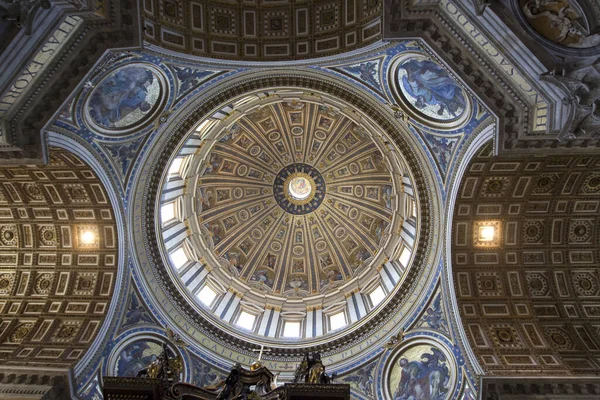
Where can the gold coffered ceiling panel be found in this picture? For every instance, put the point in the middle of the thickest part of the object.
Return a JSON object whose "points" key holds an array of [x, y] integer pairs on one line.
{"points": [[525, 262], [58, 261], [262, 29]]}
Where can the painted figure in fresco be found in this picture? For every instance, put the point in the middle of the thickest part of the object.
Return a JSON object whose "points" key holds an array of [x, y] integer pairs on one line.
{"points": [[262, 276], [136, 313], [235, 265], [363, 378], [334, 279], [298, 283], [135, 357], [434, 317], [189, 77], [215, 231], [367, 72], [426, 379], [558, 21], [205, 196], [122, 93], [431, 85], [204, 375]]}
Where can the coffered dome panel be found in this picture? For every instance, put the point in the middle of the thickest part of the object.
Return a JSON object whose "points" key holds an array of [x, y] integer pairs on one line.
{"points": [[294, 217]]}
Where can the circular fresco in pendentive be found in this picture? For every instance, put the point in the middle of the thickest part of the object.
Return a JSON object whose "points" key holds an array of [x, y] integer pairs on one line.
{"points": [[428, 91], [299, 189], [125, 98], [422, 370]]}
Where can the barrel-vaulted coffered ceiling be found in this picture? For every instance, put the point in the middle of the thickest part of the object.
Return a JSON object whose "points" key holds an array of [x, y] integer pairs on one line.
{"points": [[58, 262], [261, 29], [528, 296]]}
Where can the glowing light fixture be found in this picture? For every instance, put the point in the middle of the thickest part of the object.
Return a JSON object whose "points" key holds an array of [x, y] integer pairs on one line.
{"points": [[487, 233], [300, 188], [88, 237]]}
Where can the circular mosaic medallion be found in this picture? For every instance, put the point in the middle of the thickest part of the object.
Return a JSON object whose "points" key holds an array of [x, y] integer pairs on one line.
{"points": [[299, 189], [428, 93], [126, 98], [425, 367]]}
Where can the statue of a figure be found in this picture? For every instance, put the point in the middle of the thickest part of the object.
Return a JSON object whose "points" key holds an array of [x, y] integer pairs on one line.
{"points": [[22, 12], [582, 83], [312, 370], [167, 366], [301, 374]]}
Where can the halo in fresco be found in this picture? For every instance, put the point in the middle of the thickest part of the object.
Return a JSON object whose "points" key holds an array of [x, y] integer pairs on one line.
{"points": [[428, 92], [125, 98], [420, 371]]}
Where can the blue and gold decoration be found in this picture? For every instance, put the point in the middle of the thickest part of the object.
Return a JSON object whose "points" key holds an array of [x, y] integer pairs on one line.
{"points": [[125, 99], [427, 91], [299, 189]]}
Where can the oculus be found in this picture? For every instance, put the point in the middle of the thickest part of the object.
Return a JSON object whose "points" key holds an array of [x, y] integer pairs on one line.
{"points": [[299, 189]]}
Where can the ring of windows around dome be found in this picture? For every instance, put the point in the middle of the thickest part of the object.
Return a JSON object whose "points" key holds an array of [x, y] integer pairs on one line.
{"points": [[247, 260]]}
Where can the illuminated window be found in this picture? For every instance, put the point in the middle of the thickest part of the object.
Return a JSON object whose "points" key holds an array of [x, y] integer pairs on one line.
{"points": [[179, 258], [377, 296], [207, 295], [176, 166], [291, 329], [167, 212], [337, 321], [405, 256], [246, 320]]}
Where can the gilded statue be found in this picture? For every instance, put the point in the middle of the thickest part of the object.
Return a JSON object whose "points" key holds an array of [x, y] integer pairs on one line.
{"points": [[312, 370], [167, 366]]}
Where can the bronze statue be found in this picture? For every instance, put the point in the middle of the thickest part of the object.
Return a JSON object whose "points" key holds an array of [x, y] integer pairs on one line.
{"points": [[312, 370], [167, 366], [243, 384]]}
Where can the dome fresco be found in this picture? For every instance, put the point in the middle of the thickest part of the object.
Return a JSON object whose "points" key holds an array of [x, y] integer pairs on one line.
{"points": [[293, 204]]}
